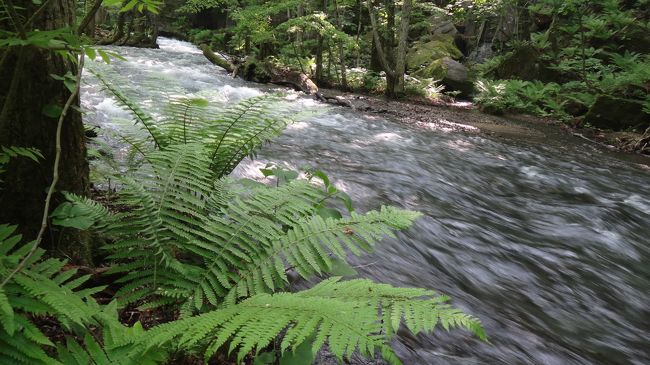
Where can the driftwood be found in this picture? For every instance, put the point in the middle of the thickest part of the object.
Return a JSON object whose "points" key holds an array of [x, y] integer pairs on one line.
{"points": [[261, 71]]}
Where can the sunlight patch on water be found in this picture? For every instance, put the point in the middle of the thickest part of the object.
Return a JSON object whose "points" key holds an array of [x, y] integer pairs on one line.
{"points": [[388, 136]]}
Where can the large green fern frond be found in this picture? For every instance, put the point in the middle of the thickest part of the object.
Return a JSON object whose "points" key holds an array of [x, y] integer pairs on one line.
{"points": [[165, 210], [41, 287], [347, 315], [421, 310], [307, 247], [243, 128]]}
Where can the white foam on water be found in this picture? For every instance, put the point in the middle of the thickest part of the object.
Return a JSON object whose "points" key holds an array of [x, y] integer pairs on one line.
{"points": [[638, 202], [174, 45]]}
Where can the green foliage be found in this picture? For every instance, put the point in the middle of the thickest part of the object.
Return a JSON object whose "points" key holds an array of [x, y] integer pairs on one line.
{"points": [[587, 48], [185, 237], [10, 152], [373, 313], [40, 288], [532, 97], [222, 249], [227, 137]]}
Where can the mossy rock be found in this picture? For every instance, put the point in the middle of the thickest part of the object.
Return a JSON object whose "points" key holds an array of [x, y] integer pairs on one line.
{"points": [[452, 74], [423, 53], [617, 114]]}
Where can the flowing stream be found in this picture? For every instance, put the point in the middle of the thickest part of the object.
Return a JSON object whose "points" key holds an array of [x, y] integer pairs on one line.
{"points": [[548, 244]]}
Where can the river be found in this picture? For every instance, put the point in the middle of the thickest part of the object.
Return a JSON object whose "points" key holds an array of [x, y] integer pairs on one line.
{"points": [[547, 243]]}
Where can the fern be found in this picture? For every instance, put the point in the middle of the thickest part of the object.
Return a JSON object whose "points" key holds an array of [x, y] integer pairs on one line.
{"points": [[307, 245], [185, 236], [229, 135], [347, 315], [41, 288]]}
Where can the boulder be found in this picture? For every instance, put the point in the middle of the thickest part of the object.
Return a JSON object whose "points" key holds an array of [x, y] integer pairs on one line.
{"points": [[524, 63], [617, 114], [425, 52], [452, 74], [481, 53]]}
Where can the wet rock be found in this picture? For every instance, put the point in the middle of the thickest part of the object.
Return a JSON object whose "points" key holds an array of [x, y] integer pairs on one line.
{"points": [[453, 74], [614, 113]]}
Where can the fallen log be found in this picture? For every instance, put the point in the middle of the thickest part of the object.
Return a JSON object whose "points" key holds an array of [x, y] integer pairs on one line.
{"points": [[217, 59], [261, 71]]}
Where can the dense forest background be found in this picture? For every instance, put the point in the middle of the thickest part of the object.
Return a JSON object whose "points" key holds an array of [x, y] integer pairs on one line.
{"points": [[584, 62]]}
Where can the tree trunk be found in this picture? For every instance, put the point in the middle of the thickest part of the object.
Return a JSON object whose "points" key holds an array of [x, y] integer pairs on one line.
{"points": [[339, 24], [319, 61], [29, 88], [391, 58]]}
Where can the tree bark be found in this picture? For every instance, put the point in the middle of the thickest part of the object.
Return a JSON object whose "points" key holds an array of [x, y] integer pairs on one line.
{"points": [[339, 24], [30, 88], [392, 59]]}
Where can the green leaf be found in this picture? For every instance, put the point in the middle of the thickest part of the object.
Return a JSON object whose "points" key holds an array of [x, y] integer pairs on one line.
{"points": [[6, 313], [90, 52], [342, 268], [264, 358], [73, 216], [347, 201], [52, 110], [302, 355], [116, 55], [104, 56], [325, 213], [129, 6], [70, 85]]}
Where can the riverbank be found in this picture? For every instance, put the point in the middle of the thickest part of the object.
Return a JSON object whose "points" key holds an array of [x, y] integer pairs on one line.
{"points": [[464, 116]]}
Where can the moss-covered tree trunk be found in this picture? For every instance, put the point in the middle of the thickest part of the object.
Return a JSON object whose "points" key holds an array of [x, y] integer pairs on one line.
{"points": [[27, 88]]}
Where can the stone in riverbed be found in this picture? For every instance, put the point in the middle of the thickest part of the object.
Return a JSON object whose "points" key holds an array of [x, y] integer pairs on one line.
{"points": [[452, 74], [609, 112]]}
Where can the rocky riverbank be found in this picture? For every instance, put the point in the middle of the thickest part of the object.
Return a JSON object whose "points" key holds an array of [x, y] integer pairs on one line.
{"points": [[465, 117]]}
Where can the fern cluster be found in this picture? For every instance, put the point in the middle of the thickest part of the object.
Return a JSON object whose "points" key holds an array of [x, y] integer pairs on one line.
{"points": [[183, 236], [45, 290]]}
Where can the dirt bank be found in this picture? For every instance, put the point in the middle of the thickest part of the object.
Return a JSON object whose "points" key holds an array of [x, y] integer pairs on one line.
{"points": [[464, 117]]}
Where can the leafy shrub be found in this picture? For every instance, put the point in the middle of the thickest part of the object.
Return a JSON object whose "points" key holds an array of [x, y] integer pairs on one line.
{"points": [[202, 36], [532, 97]]}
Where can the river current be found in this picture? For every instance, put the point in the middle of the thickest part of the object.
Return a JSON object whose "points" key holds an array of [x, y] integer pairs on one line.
{"points": [[548, 244]]}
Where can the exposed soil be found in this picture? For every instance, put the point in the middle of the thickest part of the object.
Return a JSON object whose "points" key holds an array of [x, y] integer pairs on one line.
{"points": [[464, 117]]}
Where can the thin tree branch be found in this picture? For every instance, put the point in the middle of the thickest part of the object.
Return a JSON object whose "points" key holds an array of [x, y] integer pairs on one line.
{"points": [[89, 17], [55, 177]]}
